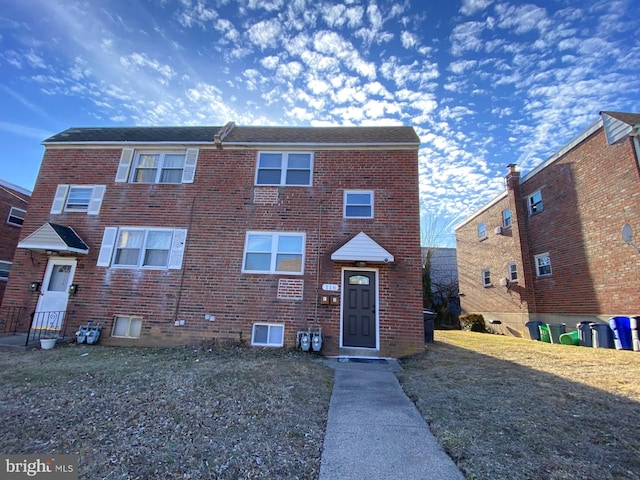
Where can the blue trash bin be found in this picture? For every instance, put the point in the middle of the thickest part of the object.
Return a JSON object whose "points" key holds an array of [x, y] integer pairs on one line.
{"points": [[621, 327], [534, 331]]}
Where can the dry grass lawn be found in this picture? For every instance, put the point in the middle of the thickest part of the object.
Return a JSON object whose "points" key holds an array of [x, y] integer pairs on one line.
{"points": [[168, 413], [508, 408]]}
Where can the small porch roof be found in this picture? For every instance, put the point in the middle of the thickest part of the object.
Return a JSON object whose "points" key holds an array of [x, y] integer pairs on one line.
{"points": [[54, 237], [362, 248]]}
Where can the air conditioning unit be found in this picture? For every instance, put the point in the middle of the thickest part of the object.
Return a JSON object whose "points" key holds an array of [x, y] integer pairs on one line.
{"points": [[504, 282], [498, 231]]}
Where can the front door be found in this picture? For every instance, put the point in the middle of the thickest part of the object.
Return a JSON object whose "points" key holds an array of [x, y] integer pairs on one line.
{"points": [[54, 293], [359, 309]]}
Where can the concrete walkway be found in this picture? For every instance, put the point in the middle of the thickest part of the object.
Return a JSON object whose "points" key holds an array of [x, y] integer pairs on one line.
{"points": [[374, 432]]}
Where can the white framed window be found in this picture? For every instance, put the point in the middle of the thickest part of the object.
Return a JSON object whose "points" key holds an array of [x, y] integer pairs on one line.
{"points": [[506, 218], [5, 268], [358, 204], [534, 202], [274, 252], [125, 326], [16, 216], [78, 198], [512, 271], [284, 168], [267, 335], [148, 248], [482, 231], [157, 166], [543, 264], [486, 277]]}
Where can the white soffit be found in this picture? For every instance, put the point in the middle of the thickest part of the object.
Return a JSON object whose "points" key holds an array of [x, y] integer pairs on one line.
{"points": [[55, 238], [362, 248]]}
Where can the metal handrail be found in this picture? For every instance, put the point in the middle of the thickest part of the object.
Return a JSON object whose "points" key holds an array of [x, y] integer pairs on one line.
{"points": [[51, 324], [9, 319]]}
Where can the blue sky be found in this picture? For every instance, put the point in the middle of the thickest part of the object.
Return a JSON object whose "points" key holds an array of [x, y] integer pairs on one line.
{"points": [[485, 83]]}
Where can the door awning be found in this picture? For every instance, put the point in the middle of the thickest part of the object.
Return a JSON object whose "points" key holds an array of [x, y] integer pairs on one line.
{"points": [[362, 248], [54, 238]]}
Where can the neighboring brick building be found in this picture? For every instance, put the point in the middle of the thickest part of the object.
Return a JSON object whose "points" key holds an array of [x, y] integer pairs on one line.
{"points": [[14, 201], [550, 247], [182, 235]]}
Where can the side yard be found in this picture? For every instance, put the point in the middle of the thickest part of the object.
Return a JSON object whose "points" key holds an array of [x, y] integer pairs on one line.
{"points": [[168, 413], [508, 408]]}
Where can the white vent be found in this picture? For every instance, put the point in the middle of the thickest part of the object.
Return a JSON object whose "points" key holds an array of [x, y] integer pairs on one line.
{"points": [[504, 282], [498, 231]]}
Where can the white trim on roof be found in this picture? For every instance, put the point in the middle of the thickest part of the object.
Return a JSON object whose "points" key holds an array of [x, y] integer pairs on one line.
{"points": [[15, 188]]}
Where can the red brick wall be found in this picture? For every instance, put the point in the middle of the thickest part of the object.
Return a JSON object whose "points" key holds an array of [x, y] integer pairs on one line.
{"points": [[9, 234], [218, 209], [588, 194]]}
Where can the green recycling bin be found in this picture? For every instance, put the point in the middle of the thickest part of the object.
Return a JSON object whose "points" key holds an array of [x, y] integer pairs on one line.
{"points": [[545, 336], [570, 338]]}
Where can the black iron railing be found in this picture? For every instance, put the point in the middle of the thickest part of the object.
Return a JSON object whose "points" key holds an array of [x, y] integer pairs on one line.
{"points": [[48, 325], [9, 319]]}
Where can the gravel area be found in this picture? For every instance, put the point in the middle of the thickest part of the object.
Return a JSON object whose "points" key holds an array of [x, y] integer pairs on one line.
{"points": [[188, 413]]}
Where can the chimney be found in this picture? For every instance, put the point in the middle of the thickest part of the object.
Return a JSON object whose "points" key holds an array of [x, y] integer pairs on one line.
{"points": [[513, 177]]}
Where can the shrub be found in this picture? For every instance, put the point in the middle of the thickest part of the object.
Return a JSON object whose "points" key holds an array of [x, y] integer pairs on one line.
{"points": [[473, 322]]}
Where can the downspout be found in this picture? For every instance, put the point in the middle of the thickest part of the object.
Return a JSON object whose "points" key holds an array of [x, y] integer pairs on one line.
{"points": [[184, 259], [315, 308]]}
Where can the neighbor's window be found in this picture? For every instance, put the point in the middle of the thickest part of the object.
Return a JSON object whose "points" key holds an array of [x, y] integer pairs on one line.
{"points": [[281, 168], [143, 248], [512, 268], [534, 202], [358, 204], [506, 218], [126, 327], [482, 231], [16, 216], [5, 268], [543, 264], [267, 335], [157, 167], [486, 277], [274, 252]]}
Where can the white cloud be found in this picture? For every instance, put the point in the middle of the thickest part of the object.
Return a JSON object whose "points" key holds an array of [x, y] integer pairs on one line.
{"points": [[266, 33], [469, 7], [467, 36], [408, 39], [524, 18]]}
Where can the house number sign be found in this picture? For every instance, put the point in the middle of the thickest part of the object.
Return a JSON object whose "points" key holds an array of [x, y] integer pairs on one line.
{"points": [[330, 287]]}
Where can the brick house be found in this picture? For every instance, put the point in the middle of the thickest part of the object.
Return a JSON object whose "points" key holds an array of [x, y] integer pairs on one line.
{"points": [[180, 235], [549, 248], [14, 201]]}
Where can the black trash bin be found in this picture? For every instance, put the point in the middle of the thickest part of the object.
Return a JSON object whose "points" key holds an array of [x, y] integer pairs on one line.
{"points": [[585, 337], [534, 331], [602, 335], [429, 318]]}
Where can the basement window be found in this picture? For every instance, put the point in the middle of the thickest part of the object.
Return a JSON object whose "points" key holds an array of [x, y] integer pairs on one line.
{"points": [[267, 335], [126, 327]]}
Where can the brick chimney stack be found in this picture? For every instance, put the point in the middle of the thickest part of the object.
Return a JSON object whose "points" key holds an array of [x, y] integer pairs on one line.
{"points": [[513, 177]]}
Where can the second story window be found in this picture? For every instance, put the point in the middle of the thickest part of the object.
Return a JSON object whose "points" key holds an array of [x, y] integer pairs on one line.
{"points": [[274, 252], [534, 203], [482, 231], [280, 168], [506, 218], [358, 204], [543, 264], [78, 198], [16, 216], [512, 268], [486, 278], [155, 166]]}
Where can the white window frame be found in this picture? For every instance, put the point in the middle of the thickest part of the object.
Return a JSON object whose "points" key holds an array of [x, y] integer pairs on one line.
{"points": [[63, 193], [128, 318], [535, 205], [112, 235], [537, 261], [506, 218], [512, 272], [12, 213], [5, 270], [129, 159], [486, 277], [268, 343], [284, 169], [273, 252], [482, 231], [346, 203]]}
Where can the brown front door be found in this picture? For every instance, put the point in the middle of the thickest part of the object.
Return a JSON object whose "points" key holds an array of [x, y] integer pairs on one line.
{"points": [[359, 309]]}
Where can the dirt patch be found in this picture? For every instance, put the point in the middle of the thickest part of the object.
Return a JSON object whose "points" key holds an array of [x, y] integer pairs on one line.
{"points": [[168, 413], [507, 408]]}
